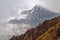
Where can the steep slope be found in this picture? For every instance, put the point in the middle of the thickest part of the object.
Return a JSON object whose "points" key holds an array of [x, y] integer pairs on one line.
{"points": [[52, 33], [48, 30]]}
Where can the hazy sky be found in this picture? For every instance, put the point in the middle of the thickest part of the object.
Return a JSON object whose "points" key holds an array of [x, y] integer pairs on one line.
{"points": [[12, 8]]}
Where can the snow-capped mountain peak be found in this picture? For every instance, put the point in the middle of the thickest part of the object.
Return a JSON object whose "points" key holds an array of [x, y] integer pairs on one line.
{"points": [[36, 15]]}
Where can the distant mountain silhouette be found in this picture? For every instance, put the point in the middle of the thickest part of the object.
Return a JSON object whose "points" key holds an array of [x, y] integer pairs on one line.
{"points": [[48, 30], [35, 16]]}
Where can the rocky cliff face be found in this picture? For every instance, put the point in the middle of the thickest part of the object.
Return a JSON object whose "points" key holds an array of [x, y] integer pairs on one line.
{"points": [[48, 30]]}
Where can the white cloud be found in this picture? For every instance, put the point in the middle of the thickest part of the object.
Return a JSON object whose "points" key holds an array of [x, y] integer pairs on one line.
{"points": [[10, 9], [13, 29], [7, 29]]}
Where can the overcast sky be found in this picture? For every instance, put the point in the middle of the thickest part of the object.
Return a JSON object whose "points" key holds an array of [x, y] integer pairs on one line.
{"points": [[10, 9]]}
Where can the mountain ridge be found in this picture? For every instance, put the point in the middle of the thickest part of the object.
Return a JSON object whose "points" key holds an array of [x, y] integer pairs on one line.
{"points": [[35, 16], [42, 32]]}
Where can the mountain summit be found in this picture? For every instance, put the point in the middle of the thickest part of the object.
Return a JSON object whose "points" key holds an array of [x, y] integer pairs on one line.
{"points": [[35, 16]]}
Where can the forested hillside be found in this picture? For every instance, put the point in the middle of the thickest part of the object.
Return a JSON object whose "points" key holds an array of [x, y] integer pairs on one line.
{"points": [[48, 30]]}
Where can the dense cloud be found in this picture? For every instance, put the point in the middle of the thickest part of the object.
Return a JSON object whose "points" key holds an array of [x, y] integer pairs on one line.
{"points": [[8, 30], [10, 9]]}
